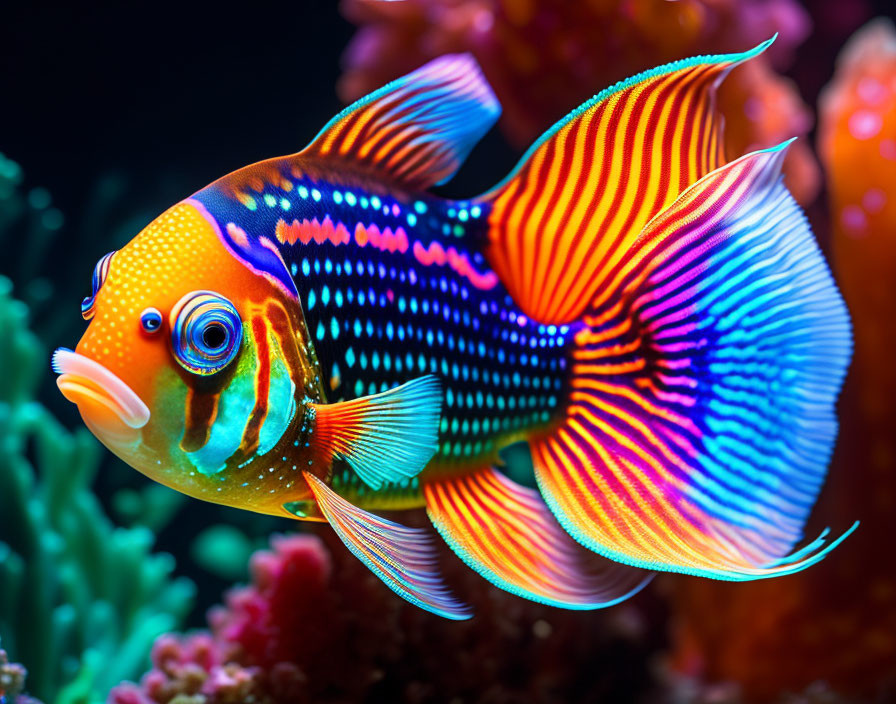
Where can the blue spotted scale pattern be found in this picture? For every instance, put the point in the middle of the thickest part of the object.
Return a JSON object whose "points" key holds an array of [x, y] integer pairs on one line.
{"points": [[380, 318]]}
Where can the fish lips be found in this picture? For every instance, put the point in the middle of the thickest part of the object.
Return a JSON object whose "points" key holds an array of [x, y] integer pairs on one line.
{"points": [[110, 408]]}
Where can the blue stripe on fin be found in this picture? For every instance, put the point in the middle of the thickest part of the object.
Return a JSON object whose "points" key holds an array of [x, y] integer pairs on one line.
{"points": [[404, 558]]}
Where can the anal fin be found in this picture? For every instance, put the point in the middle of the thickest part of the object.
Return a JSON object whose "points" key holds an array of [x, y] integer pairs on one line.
{"points": [[505, 532], [404, 558]]}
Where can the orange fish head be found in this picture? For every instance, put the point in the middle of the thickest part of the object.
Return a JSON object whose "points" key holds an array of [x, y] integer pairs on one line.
{"points": [[192, 362]]}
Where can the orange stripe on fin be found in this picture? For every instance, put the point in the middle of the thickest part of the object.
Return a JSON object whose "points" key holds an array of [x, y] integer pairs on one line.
{"points": [[688, 451], [567, 216], [506, 533], [417, 130]]}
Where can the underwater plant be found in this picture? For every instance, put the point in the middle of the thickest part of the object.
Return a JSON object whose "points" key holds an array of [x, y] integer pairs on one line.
{"points": [[80, 599], [29, 224], [542, 57], [315, 627]]}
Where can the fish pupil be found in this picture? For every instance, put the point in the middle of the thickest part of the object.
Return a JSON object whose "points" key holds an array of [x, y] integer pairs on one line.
{"points": [[214, 336]]}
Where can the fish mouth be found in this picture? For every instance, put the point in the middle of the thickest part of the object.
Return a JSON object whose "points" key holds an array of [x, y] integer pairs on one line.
{"points": [[111, 409]]}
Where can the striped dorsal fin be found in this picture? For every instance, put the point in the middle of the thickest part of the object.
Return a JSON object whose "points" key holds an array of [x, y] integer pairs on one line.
{"points": [[576, 203], [417, 130]]}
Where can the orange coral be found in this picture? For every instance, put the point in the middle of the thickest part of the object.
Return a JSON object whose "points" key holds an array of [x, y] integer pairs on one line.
{"points": [[545, 57], [858, 143]]}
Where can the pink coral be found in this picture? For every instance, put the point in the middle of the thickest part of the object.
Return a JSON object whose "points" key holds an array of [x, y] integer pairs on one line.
{"points": [[544, 58], [307, 630], [12, 682]]}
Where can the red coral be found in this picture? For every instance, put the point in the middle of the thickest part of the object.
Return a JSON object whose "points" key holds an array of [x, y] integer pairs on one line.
{"points": [[545, 58], [309, 631], [269, 620]]}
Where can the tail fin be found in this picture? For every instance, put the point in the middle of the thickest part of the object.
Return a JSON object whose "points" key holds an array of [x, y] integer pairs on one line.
{"points": [[711, 341], [579, 198], [705, 372]]}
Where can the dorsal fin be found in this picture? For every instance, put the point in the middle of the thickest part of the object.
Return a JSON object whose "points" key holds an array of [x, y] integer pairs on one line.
{"points": [[418, 129], [573, 208]]}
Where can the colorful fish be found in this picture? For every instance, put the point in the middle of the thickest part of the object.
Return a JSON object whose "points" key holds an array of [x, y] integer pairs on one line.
{"points": [[316, 336]]}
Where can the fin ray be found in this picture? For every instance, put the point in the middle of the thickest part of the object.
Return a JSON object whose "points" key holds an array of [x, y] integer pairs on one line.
{"points": [[506, 533], [701, 415], [583, 191], [403, 558], [387, 437], [418, 129]]}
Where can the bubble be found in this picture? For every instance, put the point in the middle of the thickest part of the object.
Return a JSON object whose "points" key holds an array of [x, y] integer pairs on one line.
{"points": [[39, 198], [871, 90], [874, 200], [864, 124], [854, 220]]}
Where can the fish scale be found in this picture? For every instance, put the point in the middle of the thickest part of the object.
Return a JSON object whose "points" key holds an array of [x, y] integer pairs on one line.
{"points": [[380, 318]]}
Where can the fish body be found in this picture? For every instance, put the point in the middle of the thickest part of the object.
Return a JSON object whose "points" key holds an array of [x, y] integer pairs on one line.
{"points": [[317, 336], [393, 287]]}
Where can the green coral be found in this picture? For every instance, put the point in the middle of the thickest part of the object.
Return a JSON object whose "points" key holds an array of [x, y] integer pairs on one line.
{"points": [[29, 225], [81, 600]]}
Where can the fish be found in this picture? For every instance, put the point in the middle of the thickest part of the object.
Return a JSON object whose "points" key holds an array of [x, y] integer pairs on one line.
{"points": [[321, 337]]}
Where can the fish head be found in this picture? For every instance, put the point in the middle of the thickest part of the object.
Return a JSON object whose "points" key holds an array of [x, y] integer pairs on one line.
{"points": [[193, 361]]}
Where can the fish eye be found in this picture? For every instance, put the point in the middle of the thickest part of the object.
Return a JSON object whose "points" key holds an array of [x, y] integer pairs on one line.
{"points": [[100, 272], [151, 320], [206, 332]]}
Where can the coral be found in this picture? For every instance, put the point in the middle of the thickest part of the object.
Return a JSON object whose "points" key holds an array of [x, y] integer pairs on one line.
{"points": [[12, 682], [857, 140], [29, 224], [837, 621], [50, 257], [544, 58], [80, 600], [309, 630]]}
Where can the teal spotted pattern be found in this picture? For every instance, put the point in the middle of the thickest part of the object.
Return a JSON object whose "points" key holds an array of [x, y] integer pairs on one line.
{"points": [[379, 318]]}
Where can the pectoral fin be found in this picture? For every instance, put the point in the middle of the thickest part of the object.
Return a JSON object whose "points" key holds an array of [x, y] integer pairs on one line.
{"points": [[387, 437], [404, 558]]}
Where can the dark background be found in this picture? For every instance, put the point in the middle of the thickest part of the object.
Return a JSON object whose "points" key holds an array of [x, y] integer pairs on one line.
{"points": [[181, 94], [172, 97]]}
